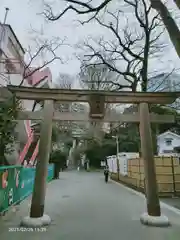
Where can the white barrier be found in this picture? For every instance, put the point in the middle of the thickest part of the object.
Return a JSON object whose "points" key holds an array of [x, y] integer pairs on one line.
{"points": [[111, 161], [123, 162]]}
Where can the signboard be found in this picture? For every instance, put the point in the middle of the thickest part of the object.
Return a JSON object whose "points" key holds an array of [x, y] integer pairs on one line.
{"points": [[96, 106], [123, 163], [10, 182]]}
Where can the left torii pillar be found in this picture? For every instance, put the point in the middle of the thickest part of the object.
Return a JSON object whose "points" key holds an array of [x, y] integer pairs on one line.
{"points": [[37, 217]]}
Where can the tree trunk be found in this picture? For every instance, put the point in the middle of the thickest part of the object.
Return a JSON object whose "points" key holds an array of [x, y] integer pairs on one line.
{"points": [[177, 2], [3, 161], [144, 73], [169, 23]]}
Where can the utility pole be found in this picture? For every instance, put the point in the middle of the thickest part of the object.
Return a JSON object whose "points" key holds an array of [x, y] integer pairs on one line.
{"points": [[117, 154], [6, 13], [3, 29], [117, 143]]}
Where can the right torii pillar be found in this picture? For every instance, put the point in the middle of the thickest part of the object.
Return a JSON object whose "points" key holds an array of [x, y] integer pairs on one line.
{"points": [[153, 216]]}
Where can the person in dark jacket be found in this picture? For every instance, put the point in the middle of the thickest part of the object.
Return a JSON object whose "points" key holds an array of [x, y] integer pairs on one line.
{"points": [[106, 173], [57, 167]]}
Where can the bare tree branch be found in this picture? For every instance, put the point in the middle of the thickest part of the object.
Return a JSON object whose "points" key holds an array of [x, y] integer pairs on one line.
{"points": [[158, 5], [85, 8], [130, 47], [169, 22], [109, 63], [43, 47]]}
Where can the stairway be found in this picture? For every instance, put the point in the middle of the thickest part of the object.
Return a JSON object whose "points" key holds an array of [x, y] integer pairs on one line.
{"points": [[34, 155]]}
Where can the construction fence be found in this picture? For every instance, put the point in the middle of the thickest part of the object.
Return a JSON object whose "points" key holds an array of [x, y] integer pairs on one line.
{"points": [[167, 175], [17, 183]]}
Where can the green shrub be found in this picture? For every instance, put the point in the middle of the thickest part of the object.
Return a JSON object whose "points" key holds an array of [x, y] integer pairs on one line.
{"points": [[58, 156]]}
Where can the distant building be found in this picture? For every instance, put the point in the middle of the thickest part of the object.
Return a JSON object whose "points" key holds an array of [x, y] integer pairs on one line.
{"points": [[166, 143], [164, 82]]}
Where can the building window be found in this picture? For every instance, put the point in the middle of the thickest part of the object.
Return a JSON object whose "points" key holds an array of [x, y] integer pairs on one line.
{"points": [[168, 141]]}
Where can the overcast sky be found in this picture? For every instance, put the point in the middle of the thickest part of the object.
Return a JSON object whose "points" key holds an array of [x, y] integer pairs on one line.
{"points": [[23, 15]]}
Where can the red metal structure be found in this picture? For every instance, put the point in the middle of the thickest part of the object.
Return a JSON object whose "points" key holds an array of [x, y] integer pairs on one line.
{"points": [[34, 79]]}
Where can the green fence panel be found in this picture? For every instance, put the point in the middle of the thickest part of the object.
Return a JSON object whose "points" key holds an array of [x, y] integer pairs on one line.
{"points": [[17, 184], [50, 172], [27, 181], [9, 189]]}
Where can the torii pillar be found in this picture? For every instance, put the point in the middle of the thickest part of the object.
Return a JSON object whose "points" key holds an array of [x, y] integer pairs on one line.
{"points": [[153, 216], [37, 217]]}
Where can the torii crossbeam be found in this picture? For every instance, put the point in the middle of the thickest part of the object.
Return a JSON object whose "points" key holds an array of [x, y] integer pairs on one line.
{"points": [[77, 95]]}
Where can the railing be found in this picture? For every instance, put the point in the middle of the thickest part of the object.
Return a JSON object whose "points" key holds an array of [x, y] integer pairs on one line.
{"points": [[30, 135], [26, 147], [17, 184]]}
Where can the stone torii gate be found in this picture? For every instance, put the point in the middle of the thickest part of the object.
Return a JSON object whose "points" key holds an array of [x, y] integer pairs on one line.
{"points": [[96, 99]]}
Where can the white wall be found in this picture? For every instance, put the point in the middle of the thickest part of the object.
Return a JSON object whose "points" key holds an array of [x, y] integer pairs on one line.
{"points": [[123, 158], [6, 33], [161, 142], [11, 50]]}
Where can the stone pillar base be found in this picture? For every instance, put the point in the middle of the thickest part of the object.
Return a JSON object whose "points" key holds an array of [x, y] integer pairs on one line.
{"points": [[36, 222], [156, 221]]}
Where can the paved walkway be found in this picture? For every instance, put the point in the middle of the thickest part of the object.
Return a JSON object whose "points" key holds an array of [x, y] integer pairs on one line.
{"points": [[175, 202], [83, 207]]}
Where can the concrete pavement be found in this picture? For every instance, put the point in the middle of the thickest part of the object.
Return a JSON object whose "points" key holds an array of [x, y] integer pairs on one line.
{"points": [[83, 207]]}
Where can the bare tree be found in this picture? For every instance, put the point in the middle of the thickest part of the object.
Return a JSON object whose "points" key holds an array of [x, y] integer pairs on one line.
{"points": [[129, 52], [45, 50], [82, 8]]}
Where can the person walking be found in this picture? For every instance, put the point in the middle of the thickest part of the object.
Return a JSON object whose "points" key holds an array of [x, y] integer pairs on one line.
{"points": [[106, 173], [78, 168]]}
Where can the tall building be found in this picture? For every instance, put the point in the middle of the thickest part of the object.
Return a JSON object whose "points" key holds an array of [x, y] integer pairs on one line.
{"points": [[164, 82], [14, 71]]}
